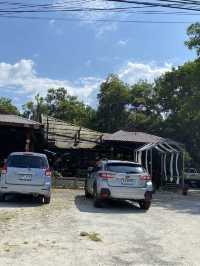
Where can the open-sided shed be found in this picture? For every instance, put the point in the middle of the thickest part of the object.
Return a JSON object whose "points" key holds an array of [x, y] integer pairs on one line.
{"points": [[71, 148], [18, 134], [75, 148]]}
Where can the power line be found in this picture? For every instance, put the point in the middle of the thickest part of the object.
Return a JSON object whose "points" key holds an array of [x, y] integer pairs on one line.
{"points": [[20, 9], [97, 20]]}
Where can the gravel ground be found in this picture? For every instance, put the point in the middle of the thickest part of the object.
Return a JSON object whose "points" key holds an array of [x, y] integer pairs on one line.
{"points": [[33, 234]]}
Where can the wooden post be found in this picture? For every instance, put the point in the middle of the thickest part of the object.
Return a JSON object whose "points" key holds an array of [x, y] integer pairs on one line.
{"points": [[28, 140], [47, 136], [146, 161], [151, 163], [183, 173]]}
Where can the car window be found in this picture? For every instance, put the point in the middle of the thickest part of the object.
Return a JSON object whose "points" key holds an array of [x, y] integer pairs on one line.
{"points": [[125, 168], [27, 161]]}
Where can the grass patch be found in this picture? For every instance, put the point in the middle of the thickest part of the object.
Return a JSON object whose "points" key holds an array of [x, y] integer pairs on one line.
{"points": [[83, 234], [92, 236], [6, 217], [9, 247]]}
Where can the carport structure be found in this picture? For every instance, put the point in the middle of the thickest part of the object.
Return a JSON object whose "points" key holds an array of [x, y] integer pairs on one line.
{"points": [[162, 158], [171, 159]]}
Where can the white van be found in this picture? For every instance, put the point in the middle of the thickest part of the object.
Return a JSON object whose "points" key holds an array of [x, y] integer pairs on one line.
{"points": [[26, 173]]}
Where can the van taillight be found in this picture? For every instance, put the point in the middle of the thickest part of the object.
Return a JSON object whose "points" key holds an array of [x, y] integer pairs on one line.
{"points": [[105, 175], [145, 177], [4, 170], [48, 172]]}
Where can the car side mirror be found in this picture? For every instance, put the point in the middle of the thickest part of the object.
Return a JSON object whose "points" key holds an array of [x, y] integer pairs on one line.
{"points": [[90, 169]]}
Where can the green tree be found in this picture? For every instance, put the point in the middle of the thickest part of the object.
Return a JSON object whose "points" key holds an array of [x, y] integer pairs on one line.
{"points": [[178, 97], [6, 106], [34, 109], [59, 104], [66, 107], [143, 111], [113, 98], [193, 33]]}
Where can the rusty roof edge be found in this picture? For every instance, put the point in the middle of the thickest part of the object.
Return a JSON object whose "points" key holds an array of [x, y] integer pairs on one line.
{"points": [[7, 119]]}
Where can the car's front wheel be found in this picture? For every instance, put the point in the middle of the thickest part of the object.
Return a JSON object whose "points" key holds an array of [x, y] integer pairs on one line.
{"points": [[145, 204]]}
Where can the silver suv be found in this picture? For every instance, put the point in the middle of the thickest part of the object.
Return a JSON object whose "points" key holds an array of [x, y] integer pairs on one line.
{"points": [[111, 179], [26, 173]]}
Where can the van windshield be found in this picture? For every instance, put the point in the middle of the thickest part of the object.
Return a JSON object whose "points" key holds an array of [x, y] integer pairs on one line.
{"points": [[27, 161], [125, 168]]}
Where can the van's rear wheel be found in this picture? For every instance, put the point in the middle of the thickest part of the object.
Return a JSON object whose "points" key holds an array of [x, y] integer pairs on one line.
{"points": [[145, 204], [47, 200], [2, 197]]}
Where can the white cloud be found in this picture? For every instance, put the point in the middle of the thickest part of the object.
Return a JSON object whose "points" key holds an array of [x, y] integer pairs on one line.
{"points": [[133, 72], [57, 28], [88, 63], [122, 42], [21, 78], [51, 22], [102, 29], [94, 19]]}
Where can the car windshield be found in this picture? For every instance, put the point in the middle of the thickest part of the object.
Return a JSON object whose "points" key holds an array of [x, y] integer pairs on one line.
{"points": [[125, 168], [27, 161]]}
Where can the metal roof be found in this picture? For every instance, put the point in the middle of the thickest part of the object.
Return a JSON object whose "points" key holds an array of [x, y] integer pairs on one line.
{"points": [[139, 137], [64, 135], [19, 121]]}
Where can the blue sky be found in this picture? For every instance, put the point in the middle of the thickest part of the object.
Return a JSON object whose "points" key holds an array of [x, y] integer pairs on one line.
{"points": [[38, 54]]}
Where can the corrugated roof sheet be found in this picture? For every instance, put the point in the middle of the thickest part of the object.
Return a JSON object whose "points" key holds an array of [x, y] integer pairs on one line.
{"points": [[17, 120], [64, 135], [126, 136]]}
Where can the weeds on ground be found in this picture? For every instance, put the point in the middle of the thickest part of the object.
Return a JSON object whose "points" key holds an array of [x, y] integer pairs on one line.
{"points": [[6, 217], [92, 236], [6, 247]]}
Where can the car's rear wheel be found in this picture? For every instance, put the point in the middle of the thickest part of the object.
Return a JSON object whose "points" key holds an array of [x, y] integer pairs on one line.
{"points": [[145, 204], [87, 194], [97, 200]]}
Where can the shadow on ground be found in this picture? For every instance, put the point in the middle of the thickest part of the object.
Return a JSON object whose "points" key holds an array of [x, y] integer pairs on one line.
{"points": [[19, 201], [86, 205], [189, 204]]}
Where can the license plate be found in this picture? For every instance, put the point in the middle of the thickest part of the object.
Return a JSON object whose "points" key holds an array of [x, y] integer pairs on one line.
{"points": [[128, 181], [25, 177]]}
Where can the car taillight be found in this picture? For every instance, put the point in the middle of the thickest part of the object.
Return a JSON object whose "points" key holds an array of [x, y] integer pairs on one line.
{"points": [[48, 172], [4, 170], [105, 175], [145, 177]]}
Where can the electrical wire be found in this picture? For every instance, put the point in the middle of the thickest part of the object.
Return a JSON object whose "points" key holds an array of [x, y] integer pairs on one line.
{"points": [[23, 10]]}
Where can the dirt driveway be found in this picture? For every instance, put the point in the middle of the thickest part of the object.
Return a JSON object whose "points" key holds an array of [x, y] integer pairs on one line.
{"points": [[168, 234]]}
